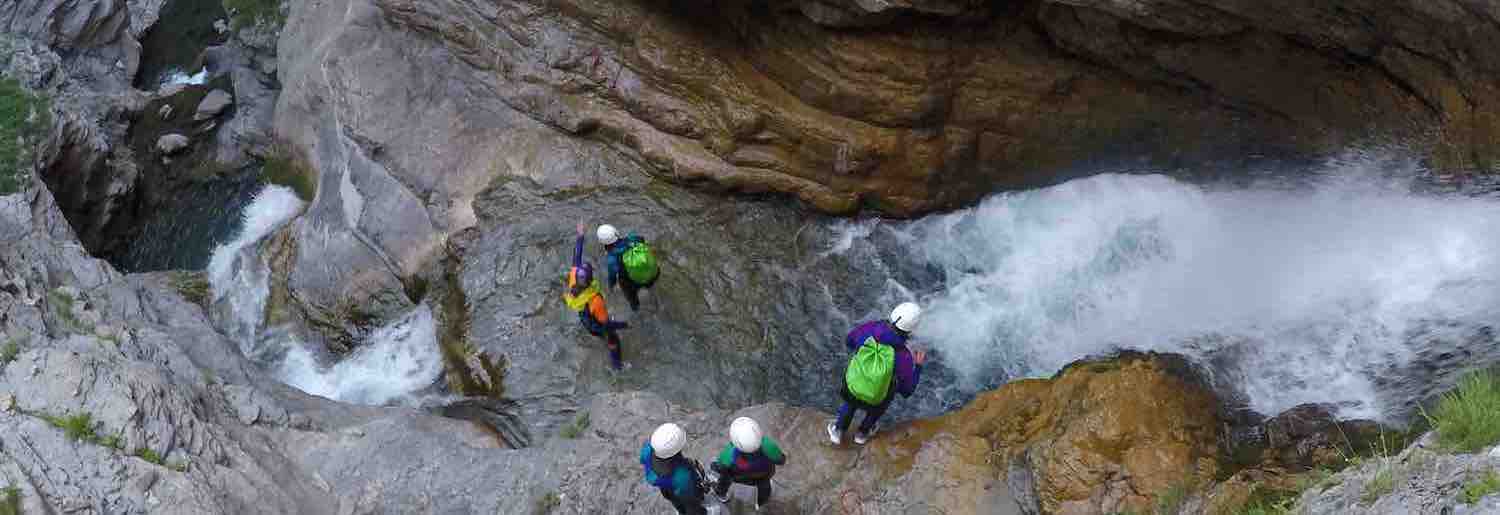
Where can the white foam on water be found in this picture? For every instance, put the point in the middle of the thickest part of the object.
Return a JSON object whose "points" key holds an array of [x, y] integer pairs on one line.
{"points": [[181, 77], [236, 274], [398, 359], [1316, 287]]}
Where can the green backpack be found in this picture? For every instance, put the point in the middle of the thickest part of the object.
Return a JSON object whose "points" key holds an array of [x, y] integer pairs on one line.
{"points": [[639, 261], [869, 374]]}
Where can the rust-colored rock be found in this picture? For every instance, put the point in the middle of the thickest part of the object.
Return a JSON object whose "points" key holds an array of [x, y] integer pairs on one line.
{"points": [[1100, 437]]}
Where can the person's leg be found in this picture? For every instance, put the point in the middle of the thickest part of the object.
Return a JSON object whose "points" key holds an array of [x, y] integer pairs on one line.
{"points": [[616, 359], [763, 492], [721, 488], [632, 293], [846, 415], [873, 414]]}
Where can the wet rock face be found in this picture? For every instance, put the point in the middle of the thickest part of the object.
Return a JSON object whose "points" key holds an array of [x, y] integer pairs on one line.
{"points": [[928, 105]]}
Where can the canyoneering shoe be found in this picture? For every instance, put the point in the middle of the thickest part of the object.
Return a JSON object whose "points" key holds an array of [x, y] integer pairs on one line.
{"points": [[723, 499], [833, 433], [861, 437]]}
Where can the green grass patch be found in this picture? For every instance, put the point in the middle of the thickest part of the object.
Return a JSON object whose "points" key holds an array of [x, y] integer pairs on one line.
{"points": [[1477, 489], [23, 117], [10, 500], [1268, 507], [148, 455], [546, 503], [1171, 501], [77, 427], [250, 12], [284, 168], [577, 427], [193, 286], [63, 304], [114, 441], [1381, 484], [9, 351], [1467, 419]]}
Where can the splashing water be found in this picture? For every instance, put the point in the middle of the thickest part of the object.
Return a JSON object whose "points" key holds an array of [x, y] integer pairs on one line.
{"points": [[181, 77], [1312, 293], [397, 359], [240, 279]]}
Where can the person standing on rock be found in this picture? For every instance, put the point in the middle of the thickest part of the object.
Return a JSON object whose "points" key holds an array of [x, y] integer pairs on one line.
{"points": [[631, 264], [880, 359], [583, 296], [679, 479], [750, 458]]}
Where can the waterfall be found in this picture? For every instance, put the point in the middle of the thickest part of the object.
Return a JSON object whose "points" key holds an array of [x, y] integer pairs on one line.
{"points": [[394, 361], [1310, 293]]}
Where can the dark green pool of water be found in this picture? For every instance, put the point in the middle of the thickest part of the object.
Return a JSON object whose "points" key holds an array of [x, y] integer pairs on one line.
{"points": [[183, 233]]}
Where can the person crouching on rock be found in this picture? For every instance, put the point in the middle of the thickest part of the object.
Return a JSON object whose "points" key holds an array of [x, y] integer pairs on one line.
{"points": [[631, 265], [583, 296], [750, 458], [880, 359], [679, 479]]}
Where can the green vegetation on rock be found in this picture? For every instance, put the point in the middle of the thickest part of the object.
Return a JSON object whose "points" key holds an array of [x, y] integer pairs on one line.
{"points": [[577, 427], [193, 286], [1269, 507], [63, 302], [1477, 489], [284, 168], [22, 116], [10, 500], [149, 455], [546, 503], [1382, 483], [1171, 501], [77, 427], [1467, 419], [8, 352]]}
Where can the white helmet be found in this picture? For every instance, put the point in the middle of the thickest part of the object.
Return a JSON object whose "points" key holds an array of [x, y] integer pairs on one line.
{"points": [[607, 234], [668, 440], [745, 434], [905, 316]]}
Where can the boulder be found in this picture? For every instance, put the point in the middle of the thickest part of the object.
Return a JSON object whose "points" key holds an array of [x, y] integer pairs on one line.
{"points": [[1100, 437], [170, 144], [214, 103]]}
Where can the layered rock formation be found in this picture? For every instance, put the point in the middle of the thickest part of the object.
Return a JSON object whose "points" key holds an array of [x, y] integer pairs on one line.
{"points": [[903, 106]]}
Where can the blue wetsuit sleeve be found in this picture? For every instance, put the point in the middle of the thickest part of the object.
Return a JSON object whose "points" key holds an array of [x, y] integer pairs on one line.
{"points": [[651, 477], [578, 251]]}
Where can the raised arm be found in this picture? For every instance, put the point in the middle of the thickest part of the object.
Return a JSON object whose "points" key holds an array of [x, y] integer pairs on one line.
{"points": [[578, 248]]}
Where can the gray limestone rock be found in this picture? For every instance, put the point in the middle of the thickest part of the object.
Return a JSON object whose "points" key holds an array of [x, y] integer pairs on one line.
{"points": [[214, 103], [170, 144]]}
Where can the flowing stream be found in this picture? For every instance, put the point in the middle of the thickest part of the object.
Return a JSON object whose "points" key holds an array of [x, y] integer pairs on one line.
{"points": [[1349, 287]]}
